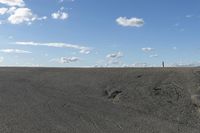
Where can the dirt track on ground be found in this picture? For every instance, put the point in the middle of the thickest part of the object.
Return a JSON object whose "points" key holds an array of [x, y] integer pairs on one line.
{"points": [[128, 100]]}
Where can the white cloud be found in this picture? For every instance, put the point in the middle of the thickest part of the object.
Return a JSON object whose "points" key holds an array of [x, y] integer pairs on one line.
{"points": [[114, 62], [18, 15], [68, 59], [15, 51], [21, 15], [114, 59], [147, 49], [66, 0], [19, 3], [3, 10], [115, 55], [42, 18], [64, 60], [11, 10], [140, 65], [153, 55], [125, 65], [82, 49], [132, 22], [60, 15], [195, 64]]}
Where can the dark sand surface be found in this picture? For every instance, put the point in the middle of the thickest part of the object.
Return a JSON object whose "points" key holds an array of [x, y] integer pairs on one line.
{"points": [[129, 100]]}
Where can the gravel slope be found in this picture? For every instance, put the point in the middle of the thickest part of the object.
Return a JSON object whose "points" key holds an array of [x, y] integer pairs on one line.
{"points": [[129, 100]]}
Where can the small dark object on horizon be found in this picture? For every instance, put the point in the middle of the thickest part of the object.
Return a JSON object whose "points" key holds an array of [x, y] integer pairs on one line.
{"points": [[163, 64]]}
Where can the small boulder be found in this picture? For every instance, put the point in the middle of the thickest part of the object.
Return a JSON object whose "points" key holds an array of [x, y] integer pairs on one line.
{"points": [[196, 100]]}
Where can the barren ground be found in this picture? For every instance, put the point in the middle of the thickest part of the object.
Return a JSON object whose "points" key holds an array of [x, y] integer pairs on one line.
{"points": [[128, 100]]}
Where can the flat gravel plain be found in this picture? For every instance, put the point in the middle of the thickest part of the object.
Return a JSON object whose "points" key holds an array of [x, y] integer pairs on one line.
{"points": [[99, 100]]}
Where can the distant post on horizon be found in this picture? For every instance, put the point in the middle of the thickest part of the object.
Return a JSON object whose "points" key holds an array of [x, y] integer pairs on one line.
{"points": [[163, 64]]}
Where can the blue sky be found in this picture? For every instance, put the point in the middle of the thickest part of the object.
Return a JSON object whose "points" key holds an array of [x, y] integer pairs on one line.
{"points": [[82, 33]]}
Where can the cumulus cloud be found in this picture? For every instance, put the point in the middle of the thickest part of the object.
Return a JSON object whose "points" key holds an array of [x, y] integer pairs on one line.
{"points": [[147, 49], [3, 10], [64, 60], [115, 55], [20, 14], [131, 22], [68, 59], [60, 14], [114, 59], [19, 3], [15, 51], [82, 49], [11, 10]]}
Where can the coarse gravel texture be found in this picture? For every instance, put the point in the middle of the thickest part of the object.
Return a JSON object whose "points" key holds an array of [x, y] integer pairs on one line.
{"points": [[99, 100]]}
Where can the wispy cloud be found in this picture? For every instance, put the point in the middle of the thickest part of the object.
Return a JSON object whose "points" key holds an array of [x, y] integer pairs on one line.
{"points": [[195, 64], [19, 3], [15, 51], [147, 49], [139, 65], [153, 55], [131, 22], [61, 1], [115, 55], [114, 59], [64, 60], [82, 49], [189, 16], [114, 62]]}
